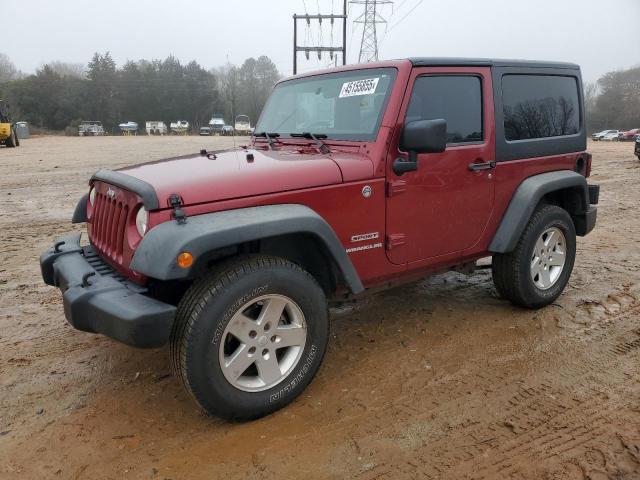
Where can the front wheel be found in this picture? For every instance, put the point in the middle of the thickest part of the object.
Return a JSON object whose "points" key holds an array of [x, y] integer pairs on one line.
{"points": [[11, 141], [536, 272], [250, 336]]}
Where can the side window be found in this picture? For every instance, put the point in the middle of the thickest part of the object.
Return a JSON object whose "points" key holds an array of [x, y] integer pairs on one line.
{"points": [[540, 106], [454, 98]]}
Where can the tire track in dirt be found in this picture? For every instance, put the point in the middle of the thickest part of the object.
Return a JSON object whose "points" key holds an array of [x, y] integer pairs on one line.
{"points": [[541, 420], [541, 417]]}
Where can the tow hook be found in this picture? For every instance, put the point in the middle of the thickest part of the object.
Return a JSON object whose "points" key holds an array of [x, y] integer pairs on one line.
{"points": [[176, 202]]}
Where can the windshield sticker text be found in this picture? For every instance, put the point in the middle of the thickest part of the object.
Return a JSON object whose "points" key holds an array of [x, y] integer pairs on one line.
{"points": [[359, 87]]}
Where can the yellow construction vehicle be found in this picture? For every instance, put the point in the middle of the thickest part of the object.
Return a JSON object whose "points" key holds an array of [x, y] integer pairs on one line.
{"points": [[8, 135]]}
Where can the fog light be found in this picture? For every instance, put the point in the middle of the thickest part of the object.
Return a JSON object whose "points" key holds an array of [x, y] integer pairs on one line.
{"points": [[185, 260]]}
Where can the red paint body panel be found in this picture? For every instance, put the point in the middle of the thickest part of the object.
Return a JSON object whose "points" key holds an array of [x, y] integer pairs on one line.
{"points": [[199, 179], [442, 215], [444, 207]]}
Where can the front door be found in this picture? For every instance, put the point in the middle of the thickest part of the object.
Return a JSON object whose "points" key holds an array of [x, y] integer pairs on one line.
{"points": [[442, 208]]}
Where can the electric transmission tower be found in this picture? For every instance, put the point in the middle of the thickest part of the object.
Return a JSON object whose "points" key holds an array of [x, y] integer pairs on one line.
{"points": [[370, 19]]}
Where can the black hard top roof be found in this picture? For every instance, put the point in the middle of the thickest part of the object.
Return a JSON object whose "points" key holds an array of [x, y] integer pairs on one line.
{"points": [[487, 62]]}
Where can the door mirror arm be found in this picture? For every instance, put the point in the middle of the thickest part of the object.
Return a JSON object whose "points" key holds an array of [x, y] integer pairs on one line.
{"points": [[401, 166]]}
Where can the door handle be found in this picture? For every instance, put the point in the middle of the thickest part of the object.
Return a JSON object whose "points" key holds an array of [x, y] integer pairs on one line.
{"points": [[474, 167]]}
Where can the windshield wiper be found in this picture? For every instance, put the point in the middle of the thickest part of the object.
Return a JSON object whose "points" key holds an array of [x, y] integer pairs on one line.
{"points": [[316, 138], [268, 136]]}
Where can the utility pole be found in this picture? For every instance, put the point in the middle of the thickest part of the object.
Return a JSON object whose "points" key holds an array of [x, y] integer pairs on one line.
{"points": [[370, 18], [307, 49]]}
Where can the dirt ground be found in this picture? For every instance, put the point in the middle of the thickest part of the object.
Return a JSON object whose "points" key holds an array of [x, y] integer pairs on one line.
{"points": [[440, 379]]}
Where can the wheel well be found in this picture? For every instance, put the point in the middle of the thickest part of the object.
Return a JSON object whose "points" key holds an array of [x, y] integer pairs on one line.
{"points": [[303, 249], [570, 199]]}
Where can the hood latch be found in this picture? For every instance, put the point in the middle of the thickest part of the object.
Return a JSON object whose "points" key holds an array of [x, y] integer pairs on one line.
{"points": [[176, 202]]}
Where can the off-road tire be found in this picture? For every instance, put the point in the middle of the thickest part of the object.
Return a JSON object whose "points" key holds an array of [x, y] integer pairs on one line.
{"points": [[11, 141], [511, 271], [17, 138], [206, 309]]}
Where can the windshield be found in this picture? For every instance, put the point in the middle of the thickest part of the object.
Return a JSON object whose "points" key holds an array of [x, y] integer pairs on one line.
{"points": [[242, 119], [342, 106]]}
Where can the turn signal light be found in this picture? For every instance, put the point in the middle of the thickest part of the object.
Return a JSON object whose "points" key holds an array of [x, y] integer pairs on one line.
{"points": [[185, 260]]}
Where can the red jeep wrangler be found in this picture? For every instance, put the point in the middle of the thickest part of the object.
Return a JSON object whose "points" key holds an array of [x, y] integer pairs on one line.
{"points": [[357, 178]]}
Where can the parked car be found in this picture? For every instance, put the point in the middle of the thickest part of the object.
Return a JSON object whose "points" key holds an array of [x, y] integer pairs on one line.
{"points": [[598, 136], [629, 135], [232, 262], [637, 147], [612, 136], [227, 130], [205, 131]]}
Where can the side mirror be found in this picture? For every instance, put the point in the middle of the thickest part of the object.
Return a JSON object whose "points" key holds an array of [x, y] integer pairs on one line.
{"points": [[420, 136]]}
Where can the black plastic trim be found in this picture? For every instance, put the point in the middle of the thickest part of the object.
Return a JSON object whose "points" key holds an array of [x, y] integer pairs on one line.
{"points": [[146, 192], [156, 255], [585, 223], [99, 303], [526, 198], [594, 194], [538, 147], [487, 62], [80, 212]]}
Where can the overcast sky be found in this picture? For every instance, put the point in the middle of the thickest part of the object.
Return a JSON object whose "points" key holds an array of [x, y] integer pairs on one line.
{"points": [[600, 35]]}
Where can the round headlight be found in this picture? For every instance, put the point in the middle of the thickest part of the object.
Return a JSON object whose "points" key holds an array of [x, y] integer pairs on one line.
{"points": [[92, 196], [142, 220]]}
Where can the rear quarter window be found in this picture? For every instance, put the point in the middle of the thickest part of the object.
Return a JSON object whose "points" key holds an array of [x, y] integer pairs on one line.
{"points": [[540, 106]]}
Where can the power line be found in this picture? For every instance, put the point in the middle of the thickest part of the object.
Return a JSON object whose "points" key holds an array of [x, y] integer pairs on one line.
{"points": [[408, 13], [318, 47]]}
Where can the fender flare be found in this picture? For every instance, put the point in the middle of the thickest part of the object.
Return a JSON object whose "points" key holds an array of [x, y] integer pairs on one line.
{"points": [[526, 198], [156, 254], [80, 212]]}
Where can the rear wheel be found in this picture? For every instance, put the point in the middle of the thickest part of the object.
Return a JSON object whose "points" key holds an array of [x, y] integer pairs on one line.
{"points": [[249, 337], [536, 272], [17, 138]]}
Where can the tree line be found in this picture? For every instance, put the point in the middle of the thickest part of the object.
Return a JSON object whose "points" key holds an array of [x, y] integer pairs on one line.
{"points": [[613, 102], [59, 95]]}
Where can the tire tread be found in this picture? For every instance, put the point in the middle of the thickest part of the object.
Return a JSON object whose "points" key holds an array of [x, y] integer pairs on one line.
{"points": [[200, 294]]}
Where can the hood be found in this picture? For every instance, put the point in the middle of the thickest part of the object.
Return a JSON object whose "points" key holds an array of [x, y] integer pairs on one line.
{"points": [[233, 174]]}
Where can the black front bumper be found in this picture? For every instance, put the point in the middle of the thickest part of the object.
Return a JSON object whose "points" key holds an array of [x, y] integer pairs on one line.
{"points": [[97, 299], [637, 148]]}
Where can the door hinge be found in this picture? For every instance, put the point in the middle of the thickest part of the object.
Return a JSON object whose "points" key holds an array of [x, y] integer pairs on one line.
{"points": [[395, 187], [395, 240]]}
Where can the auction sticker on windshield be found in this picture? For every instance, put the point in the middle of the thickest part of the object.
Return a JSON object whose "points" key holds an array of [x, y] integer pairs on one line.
{"points": [[359, 87]]}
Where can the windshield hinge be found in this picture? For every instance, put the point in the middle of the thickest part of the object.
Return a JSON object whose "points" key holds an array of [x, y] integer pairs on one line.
{"points": [[175, 202]]}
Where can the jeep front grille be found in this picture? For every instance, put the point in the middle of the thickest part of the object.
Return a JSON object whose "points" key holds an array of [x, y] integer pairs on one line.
{"points": [[109, 221]]}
